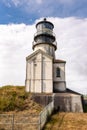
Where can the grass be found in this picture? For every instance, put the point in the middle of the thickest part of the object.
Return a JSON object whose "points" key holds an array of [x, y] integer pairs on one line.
{"points": [[67, 121], [14, 98], [15, 101]]}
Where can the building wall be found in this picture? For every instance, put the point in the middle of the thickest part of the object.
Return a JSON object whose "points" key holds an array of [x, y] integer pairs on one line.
{"points": [[62, 72], [59, 86], [64, 102], [39, 78], [33, 76], [77, 103], [68, 102], [59, 83]]}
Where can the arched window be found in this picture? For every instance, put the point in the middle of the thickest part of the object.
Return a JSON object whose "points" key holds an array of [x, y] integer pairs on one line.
{"points": [[57, 72]]}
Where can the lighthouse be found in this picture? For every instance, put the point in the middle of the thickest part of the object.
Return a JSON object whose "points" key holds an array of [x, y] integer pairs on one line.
{"points": [[44, 73]]}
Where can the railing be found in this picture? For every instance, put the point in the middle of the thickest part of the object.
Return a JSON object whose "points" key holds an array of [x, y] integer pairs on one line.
{"points": [[26, 122], [44, 31], [43, 116]]}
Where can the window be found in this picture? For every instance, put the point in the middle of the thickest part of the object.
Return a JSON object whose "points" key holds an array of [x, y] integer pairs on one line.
{"points": [[57, 72]]}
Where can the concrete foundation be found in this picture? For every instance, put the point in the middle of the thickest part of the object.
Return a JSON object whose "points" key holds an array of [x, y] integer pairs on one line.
{"points": [[42, 99], [68, 102], [64, 102]]}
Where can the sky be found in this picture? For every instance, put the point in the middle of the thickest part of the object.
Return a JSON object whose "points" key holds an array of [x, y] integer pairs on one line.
{"points": [[17, 28]]}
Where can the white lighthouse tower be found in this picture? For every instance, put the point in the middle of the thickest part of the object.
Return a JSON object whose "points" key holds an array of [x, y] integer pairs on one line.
{"points": [[44, 73]]}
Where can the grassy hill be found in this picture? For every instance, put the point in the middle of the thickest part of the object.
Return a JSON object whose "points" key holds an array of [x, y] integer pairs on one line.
{"points": [[67, 121], [15, 99]]}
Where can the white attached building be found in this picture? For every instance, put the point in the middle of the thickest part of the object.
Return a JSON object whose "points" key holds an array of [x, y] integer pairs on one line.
{"points": [[44, 73]]}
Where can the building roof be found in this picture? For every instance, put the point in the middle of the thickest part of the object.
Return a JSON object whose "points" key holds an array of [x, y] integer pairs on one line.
{"points": [[73, 92], [59, 61], [67, 91]]}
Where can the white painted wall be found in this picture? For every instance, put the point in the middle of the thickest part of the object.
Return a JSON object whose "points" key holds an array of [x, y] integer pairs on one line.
{"points": [[59, 86], [62, 71], [39, 74], [59, 82]]}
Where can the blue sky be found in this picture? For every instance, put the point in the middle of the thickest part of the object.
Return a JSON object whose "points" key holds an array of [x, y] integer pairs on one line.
{"points": [[27, 11], [17, 28]]}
